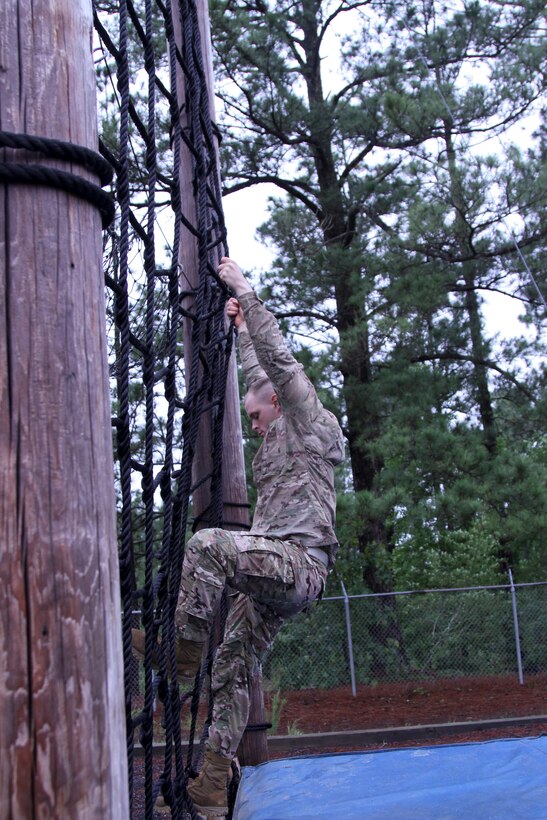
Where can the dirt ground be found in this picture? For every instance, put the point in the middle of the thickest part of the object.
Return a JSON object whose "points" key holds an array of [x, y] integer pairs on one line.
{"points": [[410, 704], [404, 704], [415, 704]]}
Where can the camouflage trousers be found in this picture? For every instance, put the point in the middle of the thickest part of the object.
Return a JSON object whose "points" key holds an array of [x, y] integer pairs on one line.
{"points": [[268, 581]]}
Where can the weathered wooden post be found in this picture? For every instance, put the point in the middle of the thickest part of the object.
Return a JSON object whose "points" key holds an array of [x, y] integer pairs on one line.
{"points": [[62, 735], [253, 748]]}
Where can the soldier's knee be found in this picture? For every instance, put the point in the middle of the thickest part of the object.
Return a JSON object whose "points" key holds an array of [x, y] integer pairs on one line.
{"points": [[213, 540], [206, 536], [198, 538]]}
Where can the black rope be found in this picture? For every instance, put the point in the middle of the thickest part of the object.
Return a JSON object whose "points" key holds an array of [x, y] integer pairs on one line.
{"points": [[149, 304], [15, 173], [59, 149], [258, 727], [123, 427]]}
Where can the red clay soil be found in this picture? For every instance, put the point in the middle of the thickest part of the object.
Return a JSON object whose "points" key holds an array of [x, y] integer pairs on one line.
{"points": [[410, 704], [415, 704]]}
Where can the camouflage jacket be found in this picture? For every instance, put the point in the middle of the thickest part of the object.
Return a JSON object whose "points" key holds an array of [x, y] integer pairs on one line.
{"points": [[294, 468]]}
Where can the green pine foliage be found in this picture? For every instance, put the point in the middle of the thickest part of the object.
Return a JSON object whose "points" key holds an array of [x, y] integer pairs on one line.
{"points": [[406, 196]]}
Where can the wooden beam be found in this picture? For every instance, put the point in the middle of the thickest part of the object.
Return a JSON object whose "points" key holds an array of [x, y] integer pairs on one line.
{"points": [[253, 748], [233, 476], [62, 737]]}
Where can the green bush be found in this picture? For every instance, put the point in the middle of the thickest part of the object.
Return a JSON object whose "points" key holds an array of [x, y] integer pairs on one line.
{"points": [[311, 651], [410, 637]]}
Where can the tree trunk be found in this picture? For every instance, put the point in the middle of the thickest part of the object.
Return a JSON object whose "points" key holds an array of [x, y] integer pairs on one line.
{"points": [[363, 420], [355, 364], [463, 236], [62, 744]]}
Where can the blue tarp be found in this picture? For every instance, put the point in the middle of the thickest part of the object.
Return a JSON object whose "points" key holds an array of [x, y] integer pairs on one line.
{"points": [[496, 780]]}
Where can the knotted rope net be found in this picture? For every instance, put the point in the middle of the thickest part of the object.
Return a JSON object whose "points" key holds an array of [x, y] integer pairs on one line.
{"points": [[168, 344]]}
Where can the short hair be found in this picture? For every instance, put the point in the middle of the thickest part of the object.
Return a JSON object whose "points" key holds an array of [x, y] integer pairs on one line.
{"points": [[262, 388]]}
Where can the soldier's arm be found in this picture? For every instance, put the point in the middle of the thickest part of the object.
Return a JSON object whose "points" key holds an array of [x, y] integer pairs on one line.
{"points": [[249, 362], [251, 368], [293, 388]]}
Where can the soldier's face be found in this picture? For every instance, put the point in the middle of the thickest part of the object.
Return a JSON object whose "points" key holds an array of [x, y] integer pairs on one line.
{"points": [[262, 411]]}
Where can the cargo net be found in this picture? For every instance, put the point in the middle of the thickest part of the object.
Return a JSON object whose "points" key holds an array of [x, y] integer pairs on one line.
{"points": [[169, 352]]}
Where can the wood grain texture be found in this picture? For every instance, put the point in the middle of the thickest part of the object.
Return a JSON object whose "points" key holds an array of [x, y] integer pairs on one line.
{"points": [[253, 748], [234, 481], [62, 735]]}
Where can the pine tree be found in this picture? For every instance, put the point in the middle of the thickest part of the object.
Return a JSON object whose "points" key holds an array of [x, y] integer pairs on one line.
{"points": [[390, 225]]}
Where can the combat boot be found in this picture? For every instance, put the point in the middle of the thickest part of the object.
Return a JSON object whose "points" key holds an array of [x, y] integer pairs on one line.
{"points": [[209, 791], [188, 655]]}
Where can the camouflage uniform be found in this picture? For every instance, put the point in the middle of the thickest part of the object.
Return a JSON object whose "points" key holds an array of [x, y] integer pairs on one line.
{"points": [[271, 571]]}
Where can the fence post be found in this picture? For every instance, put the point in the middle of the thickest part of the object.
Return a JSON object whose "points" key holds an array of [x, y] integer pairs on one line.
{"points": [[516, 626], [350, 641]]}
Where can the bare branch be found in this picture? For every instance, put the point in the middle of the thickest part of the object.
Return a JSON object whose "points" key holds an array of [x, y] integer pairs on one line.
{"points": [[307, 314], [351, 166], [293, 188], [451, 355]]}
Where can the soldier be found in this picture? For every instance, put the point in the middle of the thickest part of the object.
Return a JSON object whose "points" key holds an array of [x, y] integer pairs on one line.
{"points": [[277, 569]]}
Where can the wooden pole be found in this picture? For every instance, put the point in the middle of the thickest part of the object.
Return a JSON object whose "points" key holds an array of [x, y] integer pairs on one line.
{"points": [[62, 735], [253, 748]]}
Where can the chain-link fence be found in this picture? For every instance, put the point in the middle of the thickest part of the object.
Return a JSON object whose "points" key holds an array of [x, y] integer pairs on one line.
{"points": [[369, 639], [431, 634]]}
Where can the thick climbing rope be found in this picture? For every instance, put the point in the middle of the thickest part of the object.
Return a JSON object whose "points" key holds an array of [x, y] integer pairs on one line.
{"points": [[148, 314], [17, 173]]}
